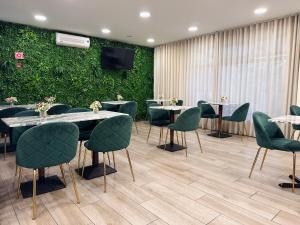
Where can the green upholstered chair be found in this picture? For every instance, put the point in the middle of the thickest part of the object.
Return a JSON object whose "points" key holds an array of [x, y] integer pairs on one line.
{"points": [[47, 145], [18, 131], [148, 103], [58, 109], [4, 129], [270, 137], [239, 116], [110, 135], [4, 103], [85, 129], [186, 121], [295, 110], [179, 103], [207, 112], [158, 118], [130, 108], [110, 107]]}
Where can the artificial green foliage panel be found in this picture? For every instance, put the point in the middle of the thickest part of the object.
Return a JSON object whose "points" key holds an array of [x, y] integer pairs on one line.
{"points": [[73, 75]]}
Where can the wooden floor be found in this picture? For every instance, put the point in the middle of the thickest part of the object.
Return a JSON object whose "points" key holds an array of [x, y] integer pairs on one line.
{"points": [[210, 188]]}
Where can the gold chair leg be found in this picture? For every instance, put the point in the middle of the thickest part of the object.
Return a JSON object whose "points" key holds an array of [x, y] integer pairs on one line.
{"points": [[130, 165], [245, 129], [293, 133], [177, 137], [108, 157], [63, 174], [294, 170], [137, 131], [79, 154], [83, 163], [113, 153], [149, 133], [104, 172], [5, 136], [242, 131], [182, 138], [20, 170], [263, 160], [34, 195], [257, 154], [205, 125], [159, 136], [199, 141], [166, 138], [74, 183]]}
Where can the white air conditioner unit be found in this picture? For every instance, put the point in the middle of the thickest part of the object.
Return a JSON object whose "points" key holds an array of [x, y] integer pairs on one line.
{"points": [[72, 40]]}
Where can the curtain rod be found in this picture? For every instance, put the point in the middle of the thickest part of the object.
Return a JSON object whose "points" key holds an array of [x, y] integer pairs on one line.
{"points": [[232, 28]]}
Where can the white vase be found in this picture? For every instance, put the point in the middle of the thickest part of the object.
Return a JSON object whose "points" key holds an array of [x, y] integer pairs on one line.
{"points": [[96, 110], [43, 114]]}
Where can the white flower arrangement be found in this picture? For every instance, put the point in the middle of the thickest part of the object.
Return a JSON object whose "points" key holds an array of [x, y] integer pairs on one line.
{"points": [[11, 100], [223, 98], [42, 108], [120, 97], [95, 106], [173, 101], [50, 99]]}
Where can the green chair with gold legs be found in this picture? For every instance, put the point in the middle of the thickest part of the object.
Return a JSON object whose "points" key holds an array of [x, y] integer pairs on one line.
{"points": [[18, 131], [58, 109], [239, 116], [158, 118], [4, 129], [130, 108], [295, 110], [207, 112], [85, 129], [48, 145], [186, 121], [110, 135], [270, 137]]}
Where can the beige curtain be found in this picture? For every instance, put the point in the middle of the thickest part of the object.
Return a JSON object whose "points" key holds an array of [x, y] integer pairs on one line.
{"points": [[258, 63]]}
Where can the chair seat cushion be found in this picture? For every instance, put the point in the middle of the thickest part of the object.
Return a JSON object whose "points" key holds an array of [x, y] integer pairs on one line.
{"points": [[160, 123], [285, 144], [210, 116]]}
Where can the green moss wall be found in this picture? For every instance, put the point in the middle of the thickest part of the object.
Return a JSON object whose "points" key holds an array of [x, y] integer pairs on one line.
{"points": [[73, 75]]}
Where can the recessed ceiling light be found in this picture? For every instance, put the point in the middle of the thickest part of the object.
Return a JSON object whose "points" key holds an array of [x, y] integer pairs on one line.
{"points": [[150, 40], [105, 31], [260, 11], [145, 14], [40, 17], [193, 28]]}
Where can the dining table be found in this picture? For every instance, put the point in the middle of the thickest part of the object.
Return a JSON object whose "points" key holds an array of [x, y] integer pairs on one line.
{"points": [[52, 183], [220, 105], [26, 106], [291, 120], [11, 148], [171, 146]]}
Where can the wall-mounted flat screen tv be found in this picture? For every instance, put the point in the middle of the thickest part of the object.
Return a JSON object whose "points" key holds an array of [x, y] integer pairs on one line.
{"points": [[117, 58]]}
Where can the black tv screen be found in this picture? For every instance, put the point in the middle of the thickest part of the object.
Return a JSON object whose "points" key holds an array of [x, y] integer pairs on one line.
{"points": [[117, 58]]}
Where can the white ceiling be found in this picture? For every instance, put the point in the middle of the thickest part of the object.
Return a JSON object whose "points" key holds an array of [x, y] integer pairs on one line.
{"points": [[169, 21]]}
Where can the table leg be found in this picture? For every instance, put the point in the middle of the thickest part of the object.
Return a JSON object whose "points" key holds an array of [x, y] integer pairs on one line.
{"points": [[219, 133], [96, 169], [172, 147], [44, 184]]}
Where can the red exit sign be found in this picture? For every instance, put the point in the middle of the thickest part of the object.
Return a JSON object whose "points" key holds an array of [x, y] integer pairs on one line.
{"points": [[19, 55]]}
